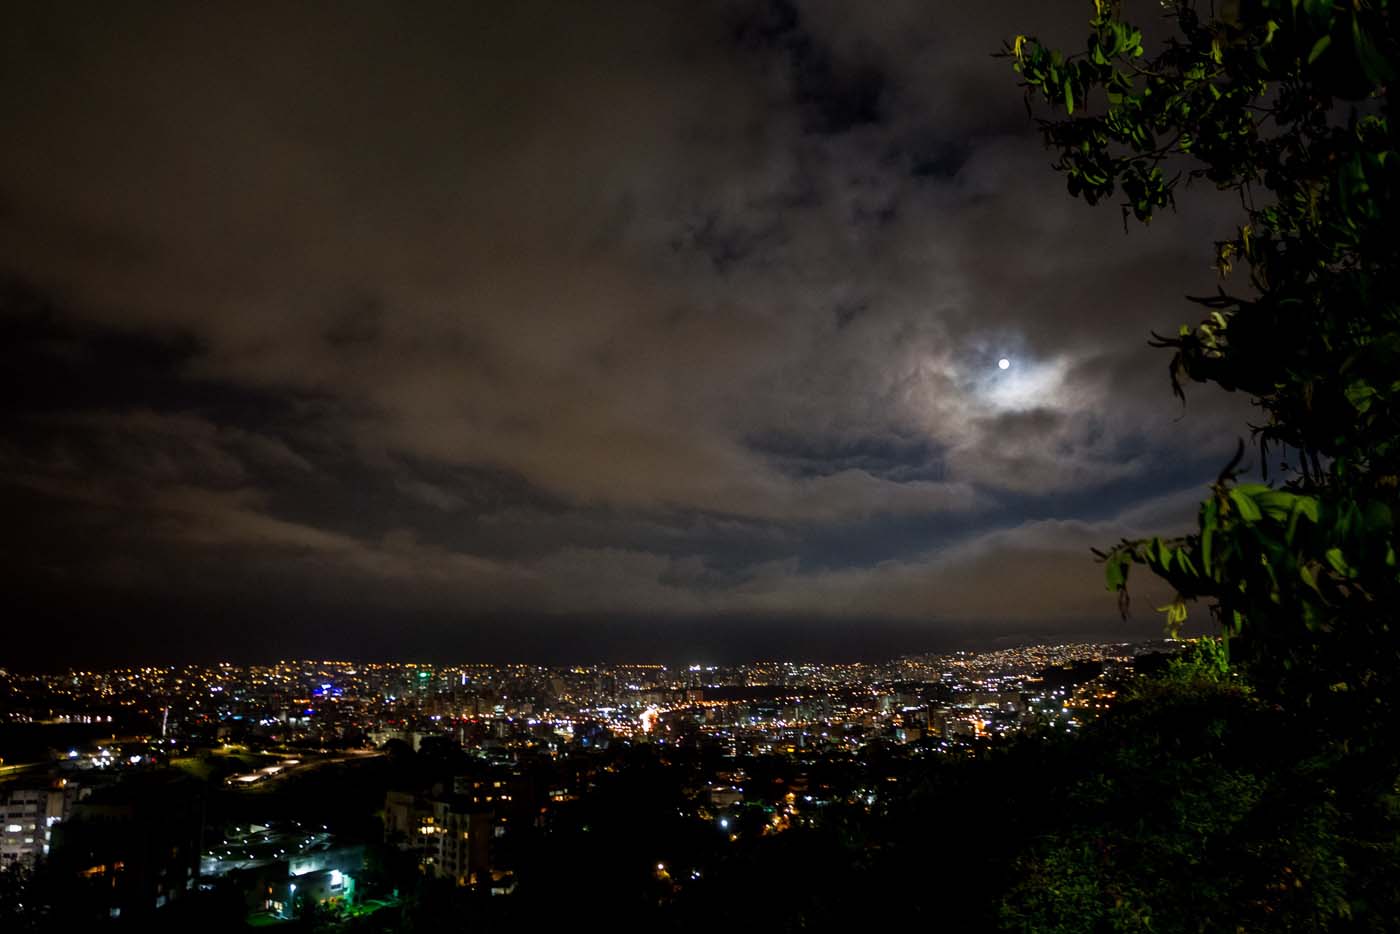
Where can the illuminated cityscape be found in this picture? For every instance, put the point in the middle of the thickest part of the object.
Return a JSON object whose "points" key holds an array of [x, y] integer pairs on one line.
{"points": [[454, 766]]}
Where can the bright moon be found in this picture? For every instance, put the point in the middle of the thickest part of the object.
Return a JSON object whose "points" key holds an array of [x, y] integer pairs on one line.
{"points": [[1004, 364]]}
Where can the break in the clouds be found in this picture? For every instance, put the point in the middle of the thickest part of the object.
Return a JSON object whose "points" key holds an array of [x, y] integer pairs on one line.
{"points": [[661, 310]]}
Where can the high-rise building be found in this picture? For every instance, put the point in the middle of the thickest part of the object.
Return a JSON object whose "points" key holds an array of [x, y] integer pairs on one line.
{"points": [[27, 819], [450, 834], [132, 847]]}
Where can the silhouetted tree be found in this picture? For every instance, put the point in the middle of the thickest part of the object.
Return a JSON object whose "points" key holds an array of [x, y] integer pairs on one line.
{"points": [[1287, 105]]}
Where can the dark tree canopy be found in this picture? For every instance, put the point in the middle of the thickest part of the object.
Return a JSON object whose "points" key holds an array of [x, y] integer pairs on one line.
{"points": [[1285, 103]]}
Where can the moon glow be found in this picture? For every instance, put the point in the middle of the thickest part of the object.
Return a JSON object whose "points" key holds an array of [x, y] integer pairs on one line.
{"points": [[1003, 364]]}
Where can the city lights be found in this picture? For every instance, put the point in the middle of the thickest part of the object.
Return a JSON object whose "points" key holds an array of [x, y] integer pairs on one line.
{"points": [[246, 730]]}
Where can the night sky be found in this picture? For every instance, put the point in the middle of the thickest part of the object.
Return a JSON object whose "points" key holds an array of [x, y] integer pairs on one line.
{"points": [[568, 331]]}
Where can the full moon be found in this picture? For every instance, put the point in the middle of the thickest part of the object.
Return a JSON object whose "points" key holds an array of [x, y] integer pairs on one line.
{"points": [[1003, 364]]}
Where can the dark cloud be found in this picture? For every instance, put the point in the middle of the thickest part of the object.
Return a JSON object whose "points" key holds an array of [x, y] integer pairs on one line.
{"points": [[676, 312]]}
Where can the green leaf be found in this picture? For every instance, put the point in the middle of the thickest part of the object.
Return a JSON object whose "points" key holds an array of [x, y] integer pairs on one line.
{"points": [[1115, 572], [1161, 554], [1373, 62], [1302, 506], [1308, 506], [1276, 504], [1318, 48], [1248, 511], [1360, 394]]}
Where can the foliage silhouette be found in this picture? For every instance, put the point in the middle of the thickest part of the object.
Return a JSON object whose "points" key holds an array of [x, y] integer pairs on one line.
{"points": [[1285, 103]]}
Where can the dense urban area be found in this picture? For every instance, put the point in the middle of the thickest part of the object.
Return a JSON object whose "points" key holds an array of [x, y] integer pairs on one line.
{"points": [[346, 794]]}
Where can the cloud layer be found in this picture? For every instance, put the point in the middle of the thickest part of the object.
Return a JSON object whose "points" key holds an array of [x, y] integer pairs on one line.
{"points": [[674, 310]]}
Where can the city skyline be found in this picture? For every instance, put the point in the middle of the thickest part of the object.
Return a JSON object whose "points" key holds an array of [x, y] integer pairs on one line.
{"points": [[680, 329], [293, 785]]}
